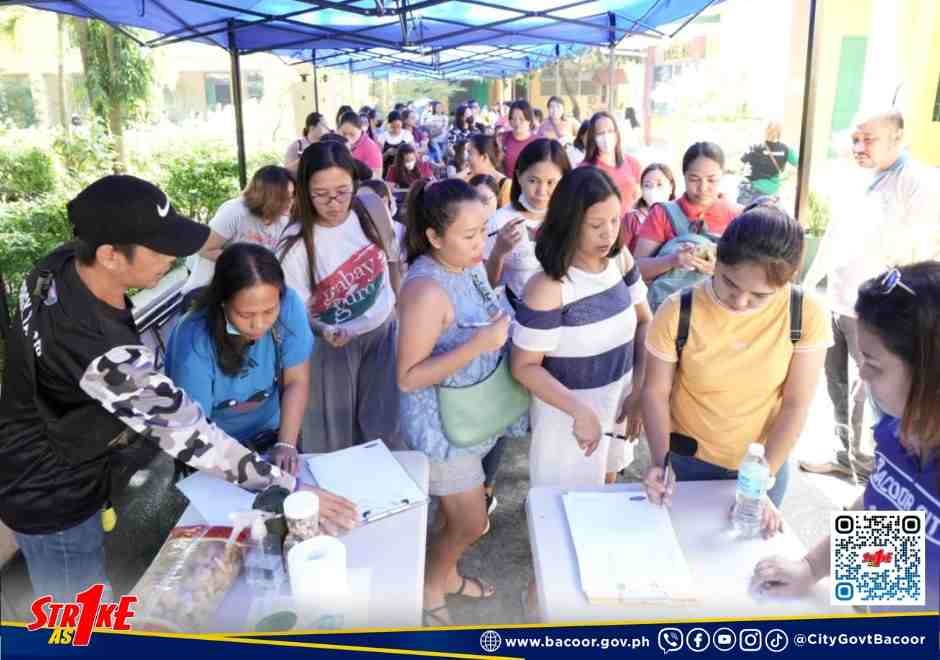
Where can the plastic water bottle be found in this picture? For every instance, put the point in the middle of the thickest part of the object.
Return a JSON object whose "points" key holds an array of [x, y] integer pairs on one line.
{"points": [[753, 478], [264, 567]]}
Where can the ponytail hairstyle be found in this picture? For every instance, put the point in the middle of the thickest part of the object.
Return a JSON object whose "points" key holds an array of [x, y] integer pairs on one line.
{"points": [[316, 158], [433, 206], [313, 120], [239, 267], [765, 236], [488, 145]]}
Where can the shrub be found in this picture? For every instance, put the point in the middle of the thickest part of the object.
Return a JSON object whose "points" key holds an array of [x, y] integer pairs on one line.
{"points": [[28, 230], [819, 215], [199, 181], [86, 155], [25, 174]]}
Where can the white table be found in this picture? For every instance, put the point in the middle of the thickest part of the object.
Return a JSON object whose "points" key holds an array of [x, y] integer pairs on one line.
{"points": [[721, 565], [392, 547]]}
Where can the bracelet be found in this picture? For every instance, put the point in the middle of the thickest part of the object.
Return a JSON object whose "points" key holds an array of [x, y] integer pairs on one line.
{"points": [[285, 444]]}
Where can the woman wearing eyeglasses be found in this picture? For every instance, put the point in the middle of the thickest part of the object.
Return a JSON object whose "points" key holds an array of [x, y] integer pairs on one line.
{"points": [[746, 366], [336, 255], [899, 344]]}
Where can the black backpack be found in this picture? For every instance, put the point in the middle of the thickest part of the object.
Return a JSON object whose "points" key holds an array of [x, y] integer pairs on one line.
{"points": [[685, 317]]}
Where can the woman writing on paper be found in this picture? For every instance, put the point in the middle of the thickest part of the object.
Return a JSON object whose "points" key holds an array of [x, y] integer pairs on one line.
{"points": [[243, 354], [750, 362], [899, 342], [453, 334]]}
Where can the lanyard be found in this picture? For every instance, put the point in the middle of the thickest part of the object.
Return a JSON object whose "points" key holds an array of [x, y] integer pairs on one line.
{"points": [[883, 174]]}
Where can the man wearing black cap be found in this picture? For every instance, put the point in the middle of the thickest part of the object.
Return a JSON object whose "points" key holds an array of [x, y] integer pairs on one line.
{"points": [[78, 384]]}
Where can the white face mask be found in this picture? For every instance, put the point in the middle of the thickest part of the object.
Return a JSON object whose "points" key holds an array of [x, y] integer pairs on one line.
{"points": [[655, 196], [606, 142], [528, 206], [410, 164]]}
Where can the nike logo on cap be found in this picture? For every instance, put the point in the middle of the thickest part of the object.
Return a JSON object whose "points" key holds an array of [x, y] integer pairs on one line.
{"points": [[162, 211]]}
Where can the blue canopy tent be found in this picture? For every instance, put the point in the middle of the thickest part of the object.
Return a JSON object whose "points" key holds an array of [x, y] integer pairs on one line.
{"points": [[437, 38]]}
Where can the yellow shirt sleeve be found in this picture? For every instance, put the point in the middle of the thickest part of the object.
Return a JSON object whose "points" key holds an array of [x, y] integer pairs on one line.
{"points": [[817, 325], [661, 338]]}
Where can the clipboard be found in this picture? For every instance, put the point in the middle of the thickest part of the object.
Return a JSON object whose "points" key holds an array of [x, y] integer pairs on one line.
{"points": [[370, 477], [627, 550]]}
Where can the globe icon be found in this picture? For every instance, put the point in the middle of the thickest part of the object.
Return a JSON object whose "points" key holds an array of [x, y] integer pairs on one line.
{"points": [[490, 641]]}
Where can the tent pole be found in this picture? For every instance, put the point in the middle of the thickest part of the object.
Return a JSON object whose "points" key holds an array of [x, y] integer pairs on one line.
{"points": [[352, 87], [610, 81], [558, 88], [237, 100], [316, 85], [809, 113], [610, 67]]}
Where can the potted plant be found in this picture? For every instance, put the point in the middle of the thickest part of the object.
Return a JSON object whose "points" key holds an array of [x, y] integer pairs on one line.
{"points": [[819, 216]]}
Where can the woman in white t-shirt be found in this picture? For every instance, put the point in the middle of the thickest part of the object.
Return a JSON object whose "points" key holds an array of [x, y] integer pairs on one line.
{"points": [[510, 246], [336, 255], [259, 215], [394, 133]]}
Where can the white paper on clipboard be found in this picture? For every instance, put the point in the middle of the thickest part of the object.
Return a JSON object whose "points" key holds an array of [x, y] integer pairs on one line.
{"points": [[370, 477], [627, 548]]}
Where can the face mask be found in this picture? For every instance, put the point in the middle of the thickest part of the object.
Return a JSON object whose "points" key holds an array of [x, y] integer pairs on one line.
{"points": [[528, 206], [655, 196], [231, 329], [410, 164], [606, 142]]}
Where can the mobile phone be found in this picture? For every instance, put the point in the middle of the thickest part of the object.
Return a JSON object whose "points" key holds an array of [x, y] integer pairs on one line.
{"points": [[705, 252]]}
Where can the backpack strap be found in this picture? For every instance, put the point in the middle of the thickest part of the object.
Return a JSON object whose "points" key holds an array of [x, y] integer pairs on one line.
{"points": [[796, 313], [685, 320], [381, 219], [680, 222]]}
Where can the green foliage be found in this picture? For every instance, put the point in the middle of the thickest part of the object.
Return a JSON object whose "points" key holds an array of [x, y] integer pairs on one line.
{"points": [[118, 72], [16, 103], [29, 229], [86, 155], [199, 181], [25, 173], [819, 215], [409, 89]]}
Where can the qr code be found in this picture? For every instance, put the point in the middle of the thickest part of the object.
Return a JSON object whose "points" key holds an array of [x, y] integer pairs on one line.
{"points": [[878, 558]]}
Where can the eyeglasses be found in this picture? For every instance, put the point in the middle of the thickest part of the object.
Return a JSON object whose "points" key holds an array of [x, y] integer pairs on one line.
{"points": [[892, 280], [326, 198]]}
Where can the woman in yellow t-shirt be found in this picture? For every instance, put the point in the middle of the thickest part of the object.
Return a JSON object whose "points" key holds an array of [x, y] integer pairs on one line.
{"points": [[742, 377]]}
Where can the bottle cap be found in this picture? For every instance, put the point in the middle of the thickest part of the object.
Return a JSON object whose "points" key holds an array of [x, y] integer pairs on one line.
{"points": [[301, 505], [258, 530], [756, 449]]}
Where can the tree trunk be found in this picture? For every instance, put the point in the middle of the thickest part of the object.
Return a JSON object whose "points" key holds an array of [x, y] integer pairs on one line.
{"points": [[571, 94], [63, 100], [115, 109]]}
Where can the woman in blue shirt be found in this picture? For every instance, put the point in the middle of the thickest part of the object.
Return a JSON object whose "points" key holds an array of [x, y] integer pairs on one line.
{"points": [[899, 342], [243, 353]]}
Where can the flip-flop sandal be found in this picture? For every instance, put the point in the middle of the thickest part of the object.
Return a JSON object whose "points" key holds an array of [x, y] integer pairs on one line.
{"points": [[481, 585], [431, 619]]}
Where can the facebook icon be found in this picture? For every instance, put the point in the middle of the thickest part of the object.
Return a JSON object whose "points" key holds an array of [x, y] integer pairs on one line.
{"points": [[697, 640]]}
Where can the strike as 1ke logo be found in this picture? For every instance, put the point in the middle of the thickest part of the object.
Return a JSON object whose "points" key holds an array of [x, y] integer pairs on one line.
{"points": [[73, 623]]}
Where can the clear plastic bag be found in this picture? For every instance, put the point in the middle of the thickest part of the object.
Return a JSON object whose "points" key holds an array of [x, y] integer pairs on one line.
{"points": [[188, 579]]}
